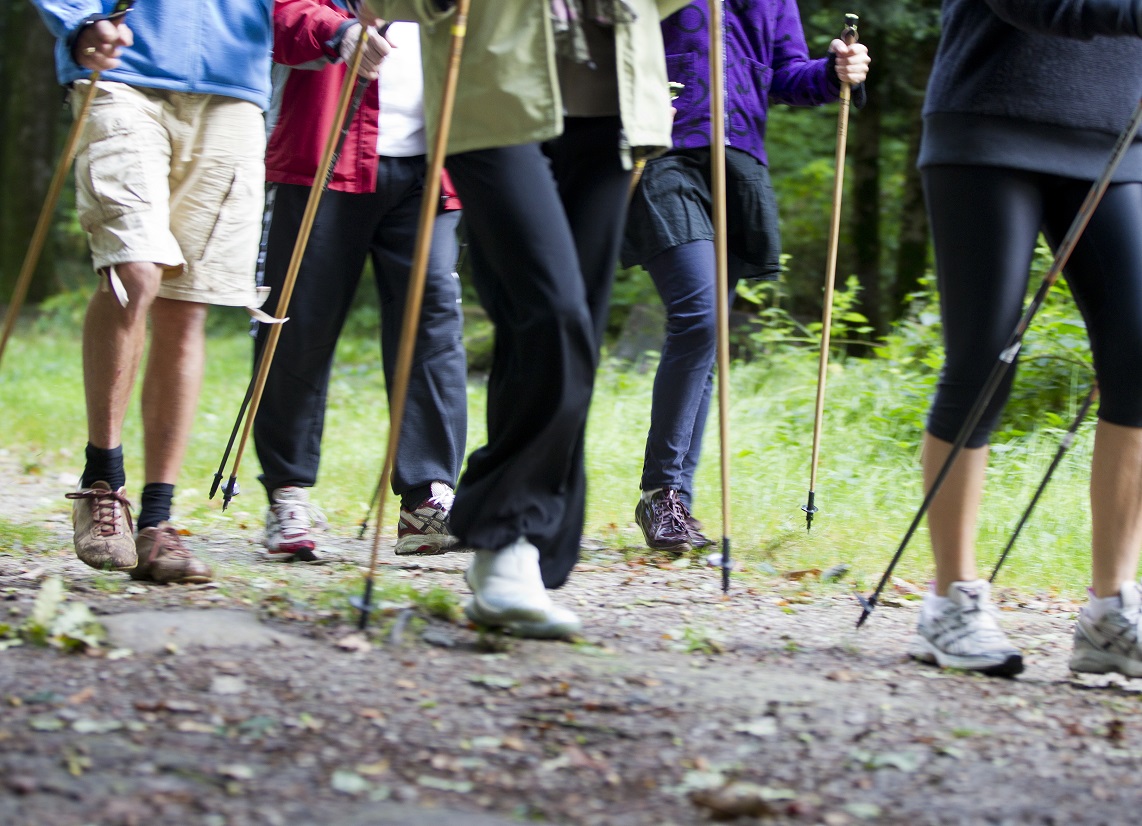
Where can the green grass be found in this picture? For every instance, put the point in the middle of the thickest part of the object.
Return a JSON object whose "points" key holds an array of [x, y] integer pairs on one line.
{"points": [[868, 483]]}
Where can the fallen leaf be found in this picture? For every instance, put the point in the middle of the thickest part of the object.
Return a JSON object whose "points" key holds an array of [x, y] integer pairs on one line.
{"points": [[797, 576], [733, 800], [348, 782], [81, 696], [355, 642]]}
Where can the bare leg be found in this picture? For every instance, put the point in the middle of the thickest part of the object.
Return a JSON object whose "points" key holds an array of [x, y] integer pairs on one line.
{"points": [[113, 338], [1116, 507], [172, 384], [953, 514]]}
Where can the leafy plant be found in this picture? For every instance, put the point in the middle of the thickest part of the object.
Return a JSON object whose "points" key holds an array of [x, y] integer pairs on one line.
{"points": [[55, 622]]}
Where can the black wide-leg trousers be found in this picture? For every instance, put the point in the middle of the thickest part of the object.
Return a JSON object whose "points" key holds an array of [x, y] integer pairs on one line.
{"points": [[545, 223]]}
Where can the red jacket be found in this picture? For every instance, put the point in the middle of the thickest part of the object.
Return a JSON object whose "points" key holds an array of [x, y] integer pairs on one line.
{"points": [[305, 103]]}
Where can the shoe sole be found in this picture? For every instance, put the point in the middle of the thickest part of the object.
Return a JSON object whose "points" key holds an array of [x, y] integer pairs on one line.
{"points": [[429, 544], [516, 624], [285, 554], [1100, 662], [925, 652]]}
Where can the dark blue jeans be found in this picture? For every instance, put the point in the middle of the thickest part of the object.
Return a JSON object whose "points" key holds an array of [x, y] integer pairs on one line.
{"points": [[348, 228], [683, 385]]}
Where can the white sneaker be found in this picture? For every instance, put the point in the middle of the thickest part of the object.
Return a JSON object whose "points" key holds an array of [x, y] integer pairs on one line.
{"points": [[508, 592], [960, 631], [1110, 642], [290, 523], [424, 530]]}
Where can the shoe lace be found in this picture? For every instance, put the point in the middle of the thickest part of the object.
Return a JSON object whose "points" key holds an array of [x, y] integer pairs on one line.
{"points": [[168, 543], [442, 498], [297, 516], [107, 508], [670, 507]]}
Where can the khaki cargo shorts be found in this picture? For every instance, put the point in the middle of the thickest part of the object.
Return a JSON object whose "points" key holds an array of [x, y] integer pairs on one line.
{"points": [[176, 179]]}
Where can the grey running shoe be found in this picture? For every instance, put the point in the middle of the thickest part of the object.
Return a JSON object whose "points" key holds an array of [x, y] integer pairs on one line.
{"points": [[662, 517], [103, 528], [164, 559], [424, 530], [963, 633], [1110, 643], [290, 523]]}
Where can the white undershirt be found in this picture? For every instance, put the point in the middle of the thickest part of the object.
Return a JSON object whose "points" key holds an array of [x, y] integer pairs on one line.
{"points": [[401, 95]]}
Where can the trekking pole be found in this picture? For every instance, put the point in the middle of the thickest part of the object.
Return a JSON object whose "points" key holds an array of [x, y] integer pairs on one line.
{"points": [[47, 211], [410, 322], [354, 105], [721, 264], [254, 394], [1011, 349], [1064, 446], [849, 36]]}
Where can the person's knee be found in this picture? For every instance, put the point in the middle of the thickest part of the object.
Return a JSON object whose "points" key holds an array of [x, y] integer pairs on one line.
{"points": [[175, 320]]}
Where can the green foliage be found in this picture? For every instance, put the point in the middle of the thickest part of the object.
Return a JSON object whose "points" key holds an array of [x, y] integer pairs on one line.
{"points": [[55, 622]]}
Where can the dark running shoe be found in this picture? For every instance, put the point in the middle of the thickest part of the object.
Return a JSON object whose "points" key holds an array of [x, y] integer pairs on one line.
{"points": [[662, 517]]}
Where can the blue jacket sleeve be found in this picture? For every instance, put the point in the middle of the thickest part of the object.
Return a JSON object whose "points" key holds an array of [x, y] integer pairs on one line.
{"points": [[63, 16]]}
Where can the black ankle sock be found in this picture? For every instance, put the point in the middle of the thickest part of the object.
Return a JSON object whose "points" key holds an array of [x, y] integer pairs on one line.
{"points": [[155, 504], [410, 499], [104, 465]]}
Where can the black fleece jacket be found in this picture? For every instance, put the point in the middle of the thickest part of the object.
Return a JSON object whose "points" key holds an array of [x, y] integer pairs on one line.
{"points": [[1035, 84]]}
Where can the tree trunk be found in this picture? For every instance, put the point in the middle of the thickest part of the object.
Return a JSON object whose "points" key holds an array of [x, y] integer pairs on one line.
{"points": [[865, 151], [912, 252], [30, 118]]}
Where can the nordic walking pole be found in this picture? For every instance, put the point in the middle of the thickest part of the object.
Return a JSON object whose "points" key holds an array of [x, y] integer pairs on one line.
{"points": [[354, 105], [410, 322], [1011, 350], [721, 264], [47, 211], [849, 35], [1064, 446], [230, 489]]}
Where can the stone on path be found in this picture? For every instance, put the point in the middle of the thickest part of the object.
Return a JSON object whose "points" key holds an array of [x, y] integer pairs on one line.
{"points": [[151, 631]]}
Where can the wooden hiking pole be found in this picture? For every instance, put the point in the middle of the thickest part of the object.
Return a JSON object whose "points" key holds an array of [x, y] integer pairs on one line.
{"points": [[230, 489], [410, 322], [721, 263], [47, 211], [849, 35]]}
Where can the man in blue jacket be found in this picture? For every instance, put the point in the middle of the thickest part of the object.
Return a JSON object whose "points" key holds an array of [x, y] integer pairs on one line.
{"points": [[169, 186]]}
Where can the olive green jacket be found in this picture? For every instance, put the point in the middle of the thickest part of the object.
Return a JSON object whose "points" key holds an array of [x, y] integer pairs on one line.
{"points": [[509, 90]]}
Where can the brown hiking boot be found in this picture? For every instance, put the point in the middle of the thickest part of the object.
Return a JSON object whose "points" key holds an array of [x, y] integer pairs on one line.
{"points": [[662, 518], [164, 559], [103, 528]]}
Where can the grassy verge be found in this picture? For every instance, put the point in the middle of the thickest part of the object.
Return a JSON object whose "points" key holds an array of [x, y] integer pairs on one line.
{"points": [[868, 483]]}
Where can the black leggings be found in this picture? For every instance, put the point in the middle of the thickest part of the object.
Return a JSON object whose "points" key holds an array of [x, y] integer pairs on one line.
{"points": [[985, 224]]}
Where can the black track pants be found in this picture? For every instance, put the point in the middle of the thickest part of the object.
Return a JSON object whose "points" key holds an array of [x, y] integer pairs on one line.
{"points": [[348, 228]]}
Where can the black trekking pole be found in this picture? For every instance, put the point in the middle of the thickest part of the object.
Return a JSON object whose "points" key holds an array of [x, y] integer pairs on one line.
{"points": [[1011, 349], [354, 105], [1064, 446], [47, 211], [415, 296]]}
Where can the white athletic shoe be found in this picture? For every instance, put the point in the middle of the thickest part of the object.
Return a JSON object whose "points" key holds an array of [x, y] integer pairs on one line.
{"points": [[508, 593], [961, 632], [290, 524], [1111, 642]]}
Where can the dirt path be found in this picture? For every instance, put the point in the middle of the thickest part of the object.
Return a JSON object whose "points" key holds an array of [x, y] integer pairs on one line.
{"points": [[671, 690]]}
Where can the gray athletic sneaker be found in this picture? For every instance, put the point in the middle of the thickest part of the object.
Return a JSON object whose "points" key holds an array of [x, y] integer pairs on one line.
{"points": [[1110, 643], [963, 633]]}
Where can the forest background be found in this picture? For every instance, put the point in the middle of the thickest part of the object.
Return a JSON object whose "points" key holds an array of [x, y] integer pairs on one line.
{"points": [[886, 338]]}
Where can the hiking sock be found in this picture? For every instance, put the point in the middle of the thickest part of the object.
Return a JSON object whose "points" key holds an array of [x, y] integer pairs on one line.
{"points": [[103, 465], [1099, 607], [155, 505], [410, 499]]}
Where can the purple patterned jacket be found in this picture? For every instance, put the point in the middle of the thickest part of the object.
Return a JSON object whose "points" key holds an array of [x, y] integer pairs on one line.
{"points": [[767, 61]]}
